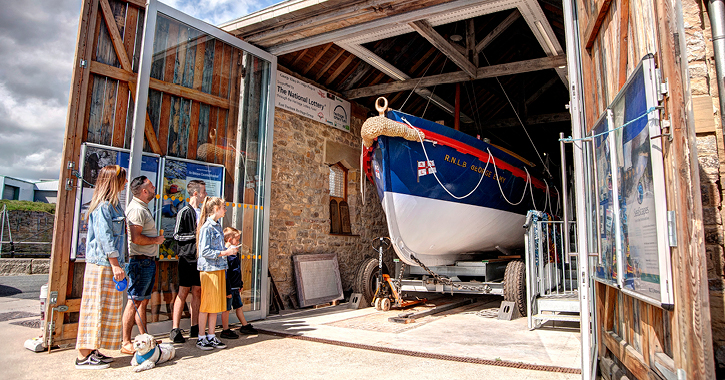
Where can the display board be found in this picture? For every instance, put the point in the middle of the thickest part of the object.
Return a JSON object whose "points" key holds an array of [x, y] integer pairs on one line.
{"points": [[176, 175], [93, 158], [639, 164], [634, 247], [606, 269]]}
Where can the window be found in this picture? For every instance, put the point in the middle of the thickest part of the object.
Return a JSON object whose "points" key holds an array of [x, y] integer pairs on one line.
{"points": [[339, 210], [338, 181]]}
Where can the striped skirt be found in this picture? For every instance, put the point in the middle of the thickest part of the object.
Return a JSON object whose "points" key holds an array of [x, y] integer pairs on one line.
{"points": [[99, 324]]}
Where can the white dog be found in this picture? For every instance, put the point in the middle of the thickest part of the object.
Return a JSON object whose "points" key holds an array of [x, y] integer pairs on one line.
{"points": [[148, 353]]}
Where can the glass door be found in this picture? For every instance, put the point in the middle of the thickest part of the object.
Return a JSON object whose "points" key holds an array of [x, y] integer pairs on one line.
{"points": [[208, 103]]}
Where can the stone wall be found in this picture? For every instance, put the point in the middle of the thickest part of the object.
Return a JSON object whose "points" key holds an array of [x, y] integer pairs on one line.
{"points": [[28, 226], [299, 210], [711, 156]]}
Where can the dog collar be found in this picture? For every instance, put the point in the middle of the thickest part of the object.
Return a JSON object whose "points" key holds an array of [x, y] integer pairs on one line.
{"points": [[142, 358]]}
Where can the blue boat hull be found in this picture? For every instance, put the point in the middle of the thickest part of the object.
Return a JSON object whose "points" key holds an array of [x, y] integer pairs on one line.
{"points": [[462, 211]]}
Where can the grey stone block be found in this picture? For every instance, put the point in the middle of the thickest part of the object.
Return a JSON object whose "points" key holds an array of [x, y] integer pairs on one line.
{"points": [[40, 266], [15, 267]]}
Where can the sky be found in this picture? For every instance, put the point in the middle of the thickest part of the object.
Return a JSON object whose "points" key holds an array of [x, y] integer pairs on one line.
{"points": [[37, 46]]}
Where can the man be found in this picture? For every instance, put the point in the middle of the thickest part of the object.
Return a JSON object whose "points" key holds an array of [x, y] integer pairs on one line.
{"points": [[185, 235], [143, 250]]}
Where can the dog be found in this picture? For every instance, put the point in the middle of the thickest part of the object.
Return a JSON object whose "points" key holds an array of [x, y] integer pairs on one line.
{"points": [[148, 353]]}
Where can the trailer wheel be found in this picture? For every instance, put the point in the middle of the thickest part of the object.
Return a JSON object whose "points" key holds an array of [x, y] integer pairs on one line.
{"points": [[366, 279], [514, 285]]}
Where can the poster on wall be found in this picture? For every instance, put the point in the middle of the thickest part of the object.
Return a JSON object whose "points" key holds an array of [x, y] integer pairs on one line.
{"points": [[311, 102], [639, 165], [176, 175], [94, 158], [606, 270]]}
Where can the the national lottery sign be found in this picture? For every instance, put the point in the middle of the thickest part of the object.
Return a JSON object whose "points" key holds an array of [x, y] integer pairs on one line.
{"points": [[309, 101]]}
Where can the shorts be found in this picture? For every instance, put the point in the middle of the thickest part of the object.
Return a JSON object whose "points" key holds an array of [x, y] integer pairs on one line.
{"points": [[213, 292], [235, 302], [188, 274], [141, 272]]}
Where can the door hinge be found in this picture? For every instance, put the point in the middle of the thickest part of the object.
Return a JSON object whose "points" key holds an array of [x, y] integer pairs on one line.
{"points": [[672, 228]]}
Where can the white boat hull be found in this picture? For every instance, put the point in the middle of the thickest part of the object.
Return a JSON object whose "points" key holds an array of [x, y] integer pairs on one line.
{"points": [[440, 232]]}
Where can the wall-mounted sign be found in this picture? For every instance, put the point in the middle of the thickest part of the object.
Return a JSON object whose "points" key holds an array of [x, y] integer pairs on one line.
{"points": [[641, 264], [309, 101], [93, 159]]}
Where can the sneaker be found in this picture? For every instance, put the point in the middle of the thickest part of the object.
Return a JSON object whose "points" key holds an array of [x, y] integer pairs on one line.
{"points": [[91, 362], [216, 343], [248, 329], [176, 337], [204, 344], [194, 331], [228, 334], [102, 358]]}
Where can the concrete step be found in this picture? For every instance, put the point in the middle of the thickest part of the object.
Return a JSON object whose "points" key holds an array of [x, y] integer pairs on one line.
{"points": [[570, 305], [557, 317]]}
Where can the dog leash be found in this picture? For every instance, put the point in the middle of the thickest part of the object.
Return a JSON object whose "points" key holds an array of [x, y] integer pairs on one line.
{"points": [[121, 286]]}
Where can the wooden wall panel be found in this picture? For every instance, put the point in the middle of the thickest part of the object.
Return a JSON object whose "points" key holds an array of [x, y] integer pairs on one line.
{"points": [[181, 119], [635, 332]]}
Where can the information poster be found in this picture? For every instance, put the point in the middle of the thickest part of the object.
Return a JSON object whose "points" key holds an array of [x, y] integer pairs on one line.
{"points": [[633, 236], [309, 101], [174, 196], [640, 233], [606, 271], [94, 158]]}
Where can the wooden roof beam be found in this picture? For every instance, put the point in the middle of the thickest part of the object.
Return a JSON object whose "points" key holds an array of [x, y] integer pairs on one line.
{"points": [[329, 64], [541, 91], [425, 29], [498, 30], [393, 72], [531, 120], [317, 57], [471, 52], [460, 76]]}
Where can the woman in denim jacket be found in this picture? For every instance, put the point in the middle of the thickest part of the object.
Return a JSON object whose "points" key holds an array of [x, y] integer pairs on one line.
{"points": [[212, 264], [99, 323]]}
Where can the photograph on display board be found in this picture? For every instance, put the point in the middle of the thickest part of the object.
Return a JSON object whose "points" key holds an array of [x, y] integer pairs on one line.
{"points": [[174, 196], [606, 271], [94, 159]]}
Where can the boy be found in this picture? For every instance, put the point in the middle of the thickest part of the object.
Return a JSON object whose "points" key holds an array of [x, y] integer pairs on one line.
{"points": [[232, 236]]}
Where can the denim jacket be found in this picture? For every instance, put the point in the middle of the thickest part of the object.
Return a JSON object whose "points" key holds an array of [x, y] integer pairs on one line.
{"points": [[106, 235], [211, 244]]}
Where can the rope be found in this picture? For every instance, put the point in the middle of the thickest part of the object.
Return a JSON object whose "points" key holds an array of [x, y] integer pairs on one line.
{"points": [[570, 139], [519, 119], [420, 138], [527, 184]]}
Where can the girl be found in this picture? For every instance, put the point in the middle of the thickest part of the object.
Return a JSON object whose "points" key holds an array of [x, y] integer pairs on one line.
{"points": [[212, 264], [99, 323]]}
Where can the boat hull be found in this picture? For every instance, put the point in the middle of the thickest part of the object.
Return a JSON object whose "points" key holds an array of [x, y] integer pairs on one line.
{"points": [[443, 201]]}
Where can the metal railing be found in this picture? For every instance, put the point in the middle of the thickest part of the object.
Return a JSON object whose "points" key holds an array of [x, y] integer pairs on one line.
{"points": [[549, 273]]}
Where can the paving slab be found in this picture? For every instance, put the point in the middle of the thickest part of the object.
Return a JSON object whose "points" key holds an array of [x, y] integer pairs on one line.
{"points": [[471, 331], [256, 357]]}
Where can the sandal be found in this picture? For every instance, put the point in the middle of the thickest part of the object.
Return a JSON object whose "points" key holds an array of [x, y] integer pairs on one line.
{"points": [[127, 351]]}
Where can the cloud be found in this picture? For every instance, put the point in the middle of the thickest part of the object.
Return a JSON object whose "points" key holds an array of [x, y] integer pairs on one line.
{"points": [[37, 47], [216, 12]]}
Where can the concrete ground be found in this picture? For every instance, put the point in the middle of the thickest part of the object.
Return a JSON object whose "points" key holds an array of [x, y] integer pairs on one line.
{"points": [[464, 333]]}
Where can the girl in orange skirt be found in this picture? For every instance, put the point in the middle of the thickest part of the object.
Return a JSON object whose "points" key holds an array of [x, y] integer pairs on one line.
{"points": [[212, 264]]}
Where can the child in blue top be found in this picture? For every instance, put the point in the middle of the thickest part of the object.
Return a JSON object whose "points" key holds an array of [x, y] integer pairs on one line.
{"points": [[232, 237], [212, 265]]}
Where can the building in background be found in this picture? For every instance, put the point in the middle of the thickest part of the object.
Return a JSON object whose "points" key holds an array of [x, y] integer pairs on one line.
{"points": [[22, 190]]}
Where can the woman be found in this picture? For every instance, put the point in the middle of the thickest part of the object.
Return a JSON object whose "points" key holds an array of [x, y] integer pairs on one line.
{"points": [[99, 324]]}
